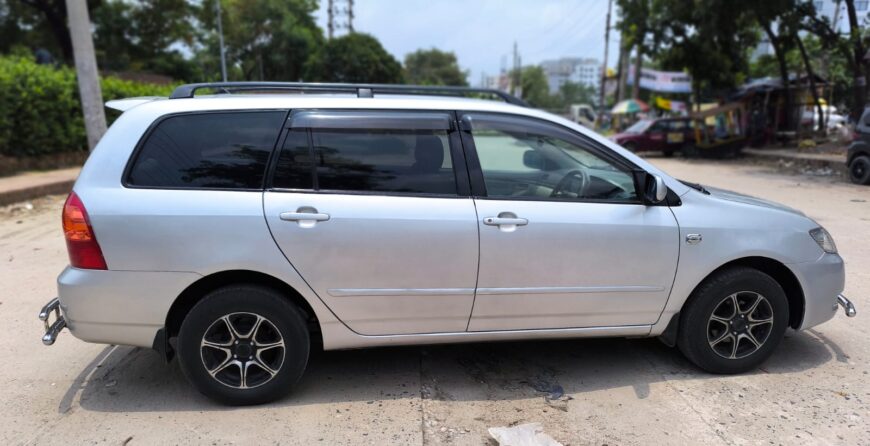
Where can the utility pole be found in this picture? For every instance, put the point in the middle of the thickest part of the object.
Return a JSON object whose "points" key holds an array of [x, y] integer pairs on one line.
{"points": [[604, 67], [86, 71], [517, 77], [350, 16], [330, 24], [220, 24], [332, 12]]}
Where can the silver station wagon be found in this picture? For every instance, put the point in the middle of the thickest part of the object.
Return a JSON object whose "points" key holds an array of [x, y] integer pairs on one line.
{"points": [[238, 228]]}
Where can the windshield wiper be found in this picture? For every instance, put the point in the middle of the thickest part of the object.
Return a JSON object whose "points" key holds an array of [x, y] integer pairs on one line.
{"points": [[697, 186]]}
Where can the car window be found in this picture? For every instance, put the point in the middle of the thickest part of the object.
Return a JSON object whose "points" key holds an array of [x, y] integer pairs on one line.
{"points": [[369, 160], [639, 126], [208, 150], [518, 162], [659, 126], [678, 125]]}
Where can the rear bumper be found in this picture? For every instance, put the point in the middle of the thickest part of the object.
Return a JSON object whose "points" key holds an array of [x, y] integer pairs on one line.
{"points": [[118, 307]]}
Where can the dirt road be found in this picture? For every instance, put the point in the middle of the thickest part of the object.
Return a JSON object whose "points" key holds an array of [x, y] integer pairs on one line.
{"points": [[815, 389]]}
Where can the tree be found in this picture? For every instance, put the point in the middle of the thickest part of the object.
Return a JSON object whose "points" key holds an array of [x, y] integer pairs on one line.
{"points": [[54, 18], [574, 93], [141, 36], [859, 62], [265, 39], [534, 87], [355, 57], [685, 35], [434, 67]]}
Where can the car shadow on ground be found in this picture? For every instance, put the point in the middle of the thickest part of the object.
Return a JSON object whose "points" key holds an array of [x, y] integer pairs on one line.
{"points": [[126, 379]]}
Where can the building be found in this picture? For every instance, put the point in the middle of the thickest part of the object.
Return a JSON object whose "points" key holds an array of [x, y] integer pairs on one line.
{"points": [[572, 69], [498, 82], [828, 8]]}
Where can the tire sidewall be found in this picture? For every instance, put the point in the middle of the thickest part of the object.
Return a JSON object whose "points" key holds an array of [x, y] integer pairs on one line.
{"points": [[244, 299], [693, 324], [864, 161]]}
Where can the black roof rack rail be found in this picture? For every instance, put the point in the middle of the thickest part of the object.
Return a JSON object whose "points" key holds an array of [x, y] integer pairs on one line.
{"points": [[361, 90]]}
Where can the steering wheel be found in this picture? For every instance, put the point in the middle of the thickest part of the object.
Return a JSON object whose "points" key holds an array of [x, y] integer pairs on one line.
{"points": [[572, 185]]}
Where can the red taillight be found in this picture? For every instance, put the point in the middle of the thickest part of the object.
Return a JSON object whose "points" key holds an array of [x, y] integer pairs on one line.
{"points": [[81, 243]]}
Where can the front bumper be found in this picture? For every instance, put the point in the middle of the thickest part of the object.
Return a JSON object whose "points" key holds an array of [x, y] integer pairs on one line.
{"points": [[822, 282]]}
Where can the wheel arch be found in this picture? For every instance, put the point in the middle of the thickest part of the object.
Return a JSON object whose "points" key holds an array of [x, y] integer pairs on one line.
{"points": [[199, 289], [777, 270], [781, 274]]}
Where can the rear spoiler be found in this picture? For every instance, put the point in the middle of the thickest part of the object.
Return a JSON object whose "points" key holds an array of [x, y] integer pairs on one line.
{"points": [[123, 105]]}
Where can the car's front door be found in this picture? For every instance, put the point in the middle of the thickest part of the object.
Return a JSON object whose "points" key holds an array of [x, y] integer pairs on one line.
{"points": [[564, 239], [368, 208]]}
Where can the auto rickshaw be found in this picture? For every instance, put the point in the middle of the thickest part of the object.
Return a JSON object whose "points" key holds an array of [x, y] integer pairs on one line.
{"points": [[719, 132]]}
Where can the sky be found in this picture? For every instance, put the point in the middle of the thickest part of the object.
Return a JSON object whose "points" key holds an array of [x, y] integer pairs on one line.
{"points": [[481, 32]]}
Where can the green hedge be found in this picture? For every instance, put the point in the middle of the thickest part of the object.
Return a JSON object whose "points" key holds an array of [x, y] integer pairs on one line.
{"points": [[40, 111]]}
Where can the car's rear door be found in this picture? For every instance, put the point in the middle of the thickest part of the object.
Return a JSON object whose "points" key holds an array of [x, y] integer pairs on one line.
{"points": [[369, 208], [564, 240]]}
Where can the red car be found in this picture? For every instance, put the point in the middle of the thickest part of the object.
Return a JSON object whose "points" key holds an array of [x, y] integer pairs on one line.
{"points": [[664, 134]]}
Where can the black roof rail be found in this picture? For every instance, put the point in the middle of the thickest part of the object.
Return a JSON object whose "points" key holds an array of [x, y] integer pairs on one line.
{"points": [[361, 90]]}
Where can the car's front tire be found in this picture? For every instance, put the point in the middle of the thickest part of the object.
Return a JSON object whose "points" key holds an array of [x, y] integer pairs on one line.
{"points": [[243, 344], [859, 170], [733, 321]]}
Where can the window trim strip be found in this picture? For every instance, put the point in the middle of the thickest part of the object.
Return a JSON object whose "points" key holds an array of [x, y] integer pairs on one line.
{"points": [[369, 120]]}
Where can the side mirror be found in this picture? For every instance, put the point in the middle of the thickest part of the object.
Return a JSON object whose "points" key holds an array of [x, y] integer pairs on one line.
{"points": [[658, 190], [652, 188], [533, 160]]}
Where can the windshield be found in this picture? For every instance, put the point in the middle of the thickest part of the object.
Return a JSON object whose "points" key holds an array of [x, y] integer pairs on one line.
{"points": [[639, 126]]}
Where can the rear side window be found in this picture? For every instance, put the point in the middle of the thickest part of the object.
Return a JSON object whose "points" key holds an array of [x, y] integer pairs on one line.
{"points": [[209, 150]]}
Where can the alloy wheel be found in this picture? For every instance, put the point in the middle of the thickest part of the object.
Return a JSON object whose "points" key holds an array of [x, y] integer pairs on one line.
{"points": [[242, 350], [740, 324]]}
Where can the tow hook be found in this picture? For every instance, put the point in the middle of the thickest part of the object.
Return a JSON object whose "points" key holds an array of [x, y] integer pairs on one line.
{"points": [[847, 305]]}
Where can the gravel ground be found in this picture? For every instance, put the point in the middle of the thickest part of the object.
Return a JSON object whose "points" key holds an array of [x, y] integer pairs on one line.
{"points": [[612, 391]]}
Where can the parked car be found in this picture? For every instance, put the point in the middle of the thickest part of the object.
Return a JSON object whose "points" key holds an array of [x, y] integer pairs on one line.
{"points": [[858, 157], [236, 231], [833, 119], [667, 135]]}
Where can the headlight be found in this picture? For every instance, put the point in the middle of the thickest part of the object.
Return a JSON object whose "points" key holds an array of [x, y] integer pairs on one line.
{"points": [[825, 241]]}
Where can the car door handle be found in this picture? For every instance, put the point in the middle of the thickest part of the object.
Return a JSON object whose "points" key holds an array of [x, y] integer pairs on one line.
{"points": [[506, 221], [304, 216]]}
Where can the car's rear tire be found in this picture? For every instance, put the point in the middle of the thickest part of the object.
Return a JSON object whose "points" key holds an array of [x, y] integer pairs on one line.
{"points": [[689, 150], [243, 344], [859, 170], [733, 321], [668, 153]]}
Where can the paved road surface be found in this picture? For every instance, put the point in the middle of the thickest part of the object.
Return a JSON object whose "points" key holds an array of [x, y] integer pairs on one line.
{"points": [[815, 389]]}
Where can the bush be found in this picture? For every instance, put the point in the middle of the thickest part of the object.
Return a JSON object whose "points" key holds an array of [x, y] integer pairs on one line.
{"points": [[40, 112]]}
